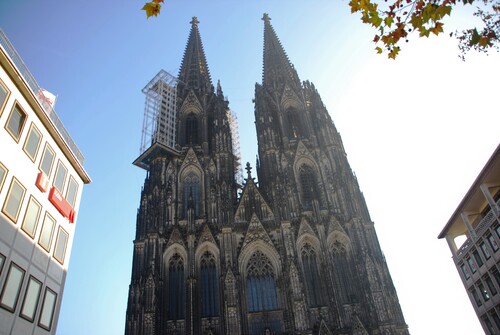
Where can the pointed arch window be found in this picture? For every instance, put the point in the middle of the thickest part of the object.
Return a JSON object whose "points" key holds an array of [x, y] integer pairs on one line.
{"points": [[261, 284], [209, 292], [311, 275], [176, 287], [191, 129], [192, 193], [309, 186], [342, 274], [296, 127]]}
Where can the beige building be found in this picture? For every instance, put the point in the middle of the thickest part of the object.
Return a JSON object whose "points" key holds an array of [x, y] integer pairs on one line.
{"points": [[41, 182], [473, 234]]}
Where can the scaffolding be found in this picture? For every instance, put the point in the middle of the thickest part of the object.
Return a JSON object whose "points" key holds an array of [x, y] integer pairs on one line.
{"points": [[235, 135], [159, 111]]}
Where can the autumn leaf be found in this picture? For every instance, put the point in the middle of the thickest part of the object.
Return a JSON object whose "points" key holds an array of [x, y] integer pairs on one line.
{"points": [[152, 8]]}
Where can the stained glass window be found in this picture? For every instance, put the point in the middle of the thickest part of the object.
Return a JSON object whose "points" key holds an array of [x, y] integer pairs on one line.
{"points": [[191, 129], [192, 194], [209, 295], [261, 284], [176, 287], [309, 187], [311, 275]]}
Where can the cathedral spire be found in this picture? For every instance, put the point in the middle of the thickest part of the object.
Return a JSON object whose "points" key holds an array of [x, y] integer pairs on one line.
{"points": [[194, 70], [277, 67]]}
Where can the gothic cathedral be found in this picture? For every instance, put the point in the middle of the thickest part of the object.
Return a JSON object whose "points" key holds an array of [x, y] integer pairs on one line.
{"points": [[295, 253]]}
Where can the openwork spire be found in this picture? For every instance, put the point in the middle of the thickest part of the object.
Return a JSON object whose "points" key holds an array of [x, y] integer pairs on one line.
{"points": [[194, 70], [277, 67]]}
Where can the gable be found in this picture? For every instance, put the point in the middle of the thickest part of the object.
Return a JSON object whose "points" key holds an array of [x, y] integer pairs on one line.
{"points": [[252, 202]]}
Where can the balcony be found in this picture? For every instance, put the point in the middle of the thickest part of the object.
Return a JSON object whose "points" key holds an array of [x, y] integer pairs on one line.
{"points": [[480, 228]]}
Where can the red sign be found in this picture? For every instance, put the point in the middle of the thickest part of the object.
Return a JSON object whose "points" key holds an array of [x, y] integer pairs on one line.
{"points": [[42, 182], [61, 204]]}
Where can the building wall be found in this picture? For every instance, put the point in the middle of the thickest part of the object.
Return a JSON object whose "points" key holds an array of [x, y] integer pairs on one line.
{"points": [[473, 235], [296, 253], [42, 269]]}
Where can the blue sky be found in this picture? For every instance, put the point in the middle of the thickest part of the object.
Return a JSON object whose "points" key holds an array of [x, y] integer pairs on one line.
{"points": [[416, 130]]}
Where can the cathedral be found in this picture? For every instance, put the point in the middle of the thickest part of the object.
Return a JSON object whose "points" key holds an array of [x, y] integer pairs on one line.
{"points": [[289, 250]]}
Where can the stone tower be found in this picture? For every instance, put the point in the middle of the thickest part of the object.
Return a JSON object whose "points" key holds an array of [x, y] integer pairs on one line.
{"points": [[295, 253]]}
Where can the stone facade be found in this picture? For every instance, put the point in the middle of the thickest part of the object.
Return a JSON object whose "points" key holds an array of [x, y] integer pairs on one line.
{"points": [[295, 253]]}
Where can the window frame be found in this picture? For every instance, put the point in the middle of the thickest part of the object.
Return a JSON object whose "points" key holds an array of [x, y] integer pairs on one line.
{"points": [[49, 244], [493, 242], [2, 262], [42, 309], [33, 127], [4, 177], [7, 96], [484, 292], [47, 147], [16, 217], [476, 297], [489, 283], [60, 164], [23, 121], [465, 272], [37, 299], [472, 265], [477, 258], [59, 231], [6, 284], [73, 202], [37, 220], [485, 250]]}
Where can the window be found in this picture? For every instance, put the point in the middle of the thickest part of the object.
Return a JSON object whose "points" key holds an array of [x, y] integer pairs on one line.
{"points": [[498, 231], [483, 291], [191, 129], [191, 194], [72, 191], [488, 324], [47, 313], [47, 160], [311, 275], [261, 284], [32, 142], [3, 174], [31, 217], [15, 122], [490, 284], [31, 298], [309, 187], [472, 265], [4, 95], [478, 258], [47, 232], [496, 274], [12, 287], [464, 271], [476, 297], [60, 178], [61, 242], [485, 250], [2, 260], [296, 126], [493, 242], [495, 317], [209, 295], [14, 200], [176, 287]]}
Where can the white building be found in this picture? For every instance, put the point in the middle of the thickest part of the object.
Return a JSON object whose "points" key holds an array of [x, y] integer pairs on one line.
{"points": [[473, 235], [41, 182]]}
